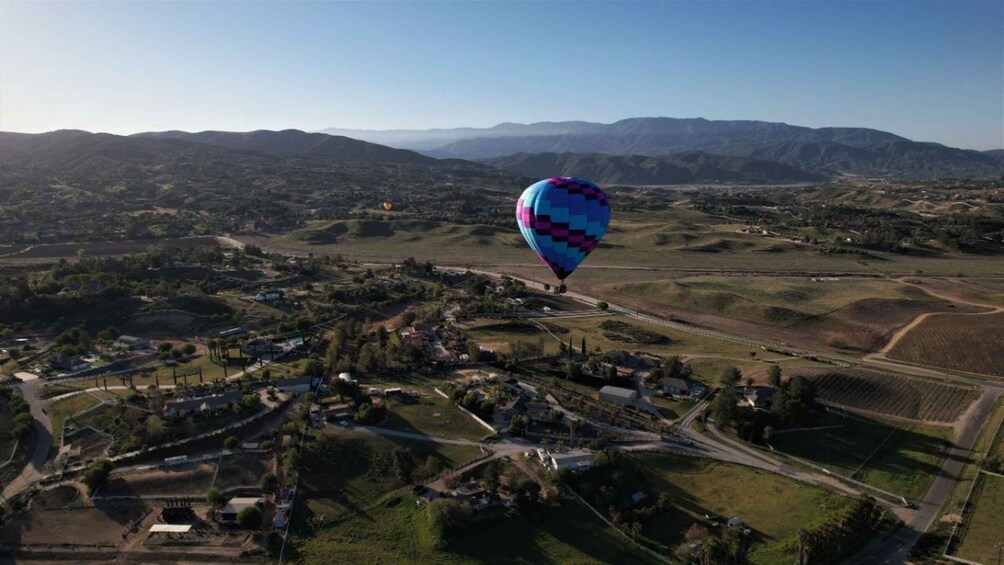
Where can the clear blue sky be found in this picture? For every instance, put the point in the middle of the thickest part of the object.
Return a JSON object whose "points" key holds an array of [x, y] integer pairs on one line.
{"points": [[931, 71]]}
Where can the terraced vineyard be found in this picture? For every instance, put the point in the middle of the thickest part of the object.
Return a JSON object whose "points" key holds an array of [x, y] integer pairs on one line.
{"points": [[889, 395], [956, 341]]}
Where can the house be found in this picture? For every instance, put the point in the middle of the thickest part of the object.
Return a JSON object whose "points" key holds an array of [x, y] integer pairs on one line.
{"points": [[674, 386], [234, 506], [294, 384], [131, 342], [618, 395], [203, 404], [261, 347], [337, 411], [268, 296], [67, 363], [758, 396]]}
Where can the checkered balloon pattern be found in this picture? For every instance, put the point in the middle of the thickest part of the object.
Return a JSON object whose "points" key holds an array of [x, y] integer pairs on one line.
{"points": [[563, 219]]}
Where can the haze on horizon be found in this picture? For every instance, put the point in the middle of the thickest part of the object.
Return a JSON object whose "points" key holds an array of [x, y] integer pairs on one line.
{"points": [[929, 71]]}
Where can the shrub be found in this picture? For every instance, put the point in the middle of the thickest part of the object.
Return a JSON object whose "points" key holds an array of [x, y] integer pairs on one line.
{"points": [[96, 475], [231, 442], [249, 518]]}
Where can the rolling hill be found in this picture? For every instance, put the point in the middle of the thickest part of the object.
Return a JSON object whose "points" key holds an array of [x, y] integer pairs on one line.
{"points": [[690, 167], [296, 143]]}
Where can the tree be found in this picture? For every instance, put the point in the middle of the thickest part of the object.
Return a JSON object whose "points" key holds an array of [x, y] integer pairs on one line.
{"points": [[602, 305], [731, 376], [188, 349], [249, 518], [96, 475], [154, 426], [449, 514], [231, 442], [214, 497], [774, 376], [725, 405], [269, 482]]}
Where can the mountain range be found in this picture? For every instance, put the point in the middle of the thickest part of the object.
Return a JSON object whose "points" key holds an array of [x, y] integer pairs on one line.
{"points": [[830, 151], [679, 168], [639, 151]]}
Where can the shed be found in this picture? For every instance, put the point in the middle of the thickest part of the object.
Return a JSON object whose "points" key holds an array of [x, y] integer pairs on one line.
{"points": [[618, 395]]}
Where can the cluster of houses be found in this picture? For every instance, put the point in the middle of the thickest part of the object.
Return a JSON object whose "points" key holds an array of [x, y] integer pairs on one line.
{"points": [[438, 344]]}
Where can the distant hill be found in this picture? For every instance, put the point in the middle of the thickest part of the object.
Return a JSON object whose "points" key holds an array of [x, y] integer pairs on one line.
{"points": [[823, 151], [296, 143], [71, 148], [996, 153], [689, 167]]}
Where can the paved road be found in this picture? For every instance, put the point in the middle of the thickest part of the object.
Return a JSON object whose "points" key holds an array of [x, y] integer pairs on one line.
{"points": [[42, 426]]}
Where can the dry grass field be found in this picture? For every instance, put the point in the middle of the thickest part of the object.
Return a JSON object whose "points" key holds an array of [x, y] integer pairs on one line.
{"points": [[961, 342], [192, 479]]}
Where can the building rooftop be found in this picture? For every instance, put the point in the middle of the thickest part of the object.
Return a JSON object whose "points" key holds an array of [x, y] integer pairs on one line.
{"points": [[625, 393]]}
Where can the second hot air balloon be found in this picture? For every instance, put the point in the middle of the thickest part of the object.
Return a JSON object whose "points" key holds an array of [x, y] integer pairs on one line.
{"points": [[563, 219]]}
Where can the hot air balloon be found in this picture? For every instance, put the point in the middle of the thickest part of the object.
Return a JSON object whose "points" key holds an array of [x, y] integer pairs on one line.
{"points": [[388, 205], [563, 219]]}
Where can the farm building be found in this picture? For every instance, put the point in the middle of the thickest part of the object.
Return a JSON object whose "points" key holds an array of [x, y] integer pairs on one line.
{"points": [[235, 505], [260, 347], [575, 460], [131, 342], [203, 405], [618, 395], [294, 384]]}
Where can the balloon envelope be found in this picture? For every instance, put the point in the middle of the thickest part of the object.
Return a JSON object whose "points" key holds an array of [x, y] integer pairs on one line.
{"points": [[388, 205], [563, 219]]}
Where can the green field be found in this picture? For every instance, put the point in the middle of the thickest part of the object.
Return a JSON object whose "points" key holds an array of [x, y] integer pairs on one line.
{"points": [[680, 239], [766, 300], [62, 409], [774, 507], [396, 530], [431, 415], [984, 531], [897, 457]]}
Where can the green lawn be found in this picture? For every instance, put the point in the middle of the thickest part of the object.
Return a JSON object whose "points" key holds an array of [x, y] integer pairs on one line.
{"points": [[985, 530], [60, 410], [431, 415], [774, 507], [397, 530], [895, 456]]}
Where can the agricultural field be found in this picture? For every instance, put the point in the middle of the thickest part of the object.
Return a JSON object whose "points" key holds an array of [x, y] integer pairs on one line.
{"points": [[897, 457], [889, 395], [683, 239], [70, 251], [982, 531], [973, 343], [778, 301], [396, 530], [774, 507], [60, 514]]}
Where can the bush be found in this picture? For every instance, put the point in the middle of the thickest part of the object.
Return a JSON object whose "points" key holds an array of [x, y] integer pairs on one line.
{"points": [[249, 518], [188, 349], [231, 442], [214, 497], [269, 482], [96, 475]]}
